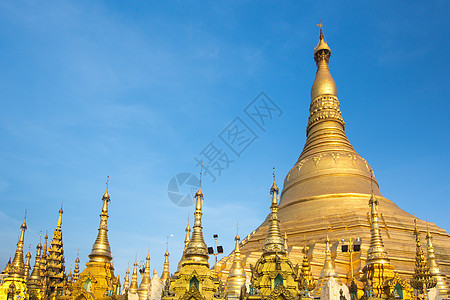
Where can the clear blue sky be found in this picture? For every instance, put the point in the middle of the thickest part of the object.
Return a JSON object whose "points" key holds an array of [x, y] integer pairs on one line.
{"points": [[135, 91]]}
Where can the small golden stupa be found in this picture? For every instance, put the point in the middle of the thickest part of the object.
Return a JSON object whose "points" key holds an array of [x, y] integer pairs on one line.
{"points": [[194, 280], [97, 280]]}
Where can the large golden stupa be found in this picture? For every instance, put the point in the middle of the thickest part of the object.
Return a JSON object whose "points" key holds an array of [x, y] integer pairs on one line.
{"points": [[327, 192]]}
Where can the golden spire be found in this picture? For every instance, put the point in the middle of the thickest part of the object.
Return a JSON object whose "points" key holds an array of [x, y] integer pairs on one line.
{"points": [[328, 267], [236, 278], [421, 276], [166, 273], [17, 267], [134, 286], [126, 283], [324, 83], [376, 254], [43, 261], [35, 274], [274, 242], [186, 242], [101, 251], [434, 267], [76, 271], [306, 278], [196, 249], [27, 264], [187, 238], [8, 265], [58, 226], [146, 281]]}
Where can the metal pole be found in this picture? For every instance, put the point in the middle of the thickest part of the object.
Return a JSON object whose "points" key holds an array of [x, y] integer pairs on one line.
{"points": [[351, 259], [215, 251]]}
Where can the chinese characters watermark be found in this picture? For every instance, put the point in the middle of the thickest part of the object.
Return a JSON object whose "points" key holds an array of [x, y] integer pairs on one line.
{"points": [[229, 145]]}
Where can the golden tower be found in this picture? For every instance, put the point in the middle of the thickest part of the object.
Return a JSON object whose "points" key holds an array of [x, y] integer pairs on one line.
{"points": [[422, 279], [379, 274], [186, 242], [441, 285], [15, 285], [306, 279], [144, 287], [43, 265], [134, 286], [55, 261], [328, 269], [236, 279], [273, 275], [126, 282], [34, 284], [327, 190], [6, 269], [194, 278], [97, 281], [27, 264], [166, 273], [76, 271]]}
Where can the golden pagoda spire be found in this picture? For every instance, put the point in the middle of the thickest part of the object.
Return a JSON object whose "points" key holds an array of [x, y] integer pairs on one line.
{"points": [[421, 277], [274, 242], [187, 238], [134, 286], [34, 283], [17, 267], [376, 254], [76, 271], [324, 83], [441, 284], [101, 251], [43, 261], [186, 242], [55, 259], [8, 264], [166, 273], [58, 226], [146, 281], [27, 264], [126, 283], [196, 249], [306, 281], [328, 269], [236, 278], [35, 275]]}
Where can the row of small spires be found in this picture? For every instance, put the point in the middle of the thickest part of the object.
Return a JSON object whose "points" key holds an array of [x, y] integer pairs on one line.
{"points": [[274, 242]]}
